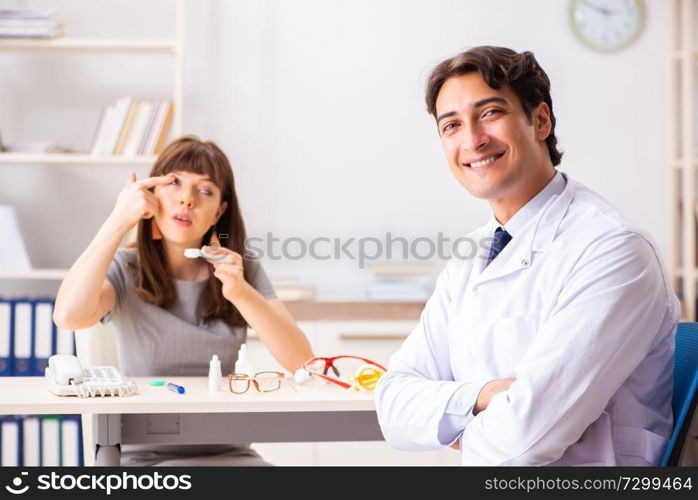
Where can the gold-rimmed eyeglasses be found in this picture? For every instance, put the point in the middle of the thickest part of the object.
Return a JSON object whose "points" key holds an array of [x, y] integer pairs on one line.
{"points": [[239, 383]]}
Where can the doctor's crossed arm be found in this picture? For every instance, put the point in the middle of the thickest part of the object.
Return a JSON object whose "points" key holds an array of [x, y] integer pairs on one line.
{"points": [[601, 327], [416, 393]]}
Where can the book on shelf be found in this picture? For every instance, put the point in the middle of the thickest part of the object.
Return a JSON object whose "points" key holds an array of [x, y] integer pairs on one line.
{"points": [[126, 129], [140, 120], [131, 128], [29, 23]]}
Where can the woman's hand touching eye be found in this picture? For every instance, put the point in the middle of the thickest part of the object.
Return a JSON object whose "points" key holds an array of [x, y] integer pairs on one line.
{"points": [[136, 201]]}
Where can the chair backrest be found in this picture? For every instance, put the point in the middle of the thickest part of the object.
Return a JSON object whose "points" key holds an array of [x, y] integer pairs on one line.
{"points": [[685, 386], [96, 346]]}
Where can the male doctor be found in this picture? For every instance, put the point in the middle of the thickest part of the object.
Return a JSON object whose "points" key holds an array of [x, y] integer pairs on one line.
{"points": [[554, 346]]}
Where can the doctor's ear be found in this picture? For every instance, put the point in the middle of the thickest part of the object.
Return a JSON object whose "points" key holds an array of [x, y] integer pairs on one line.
{"points": [[541, 121]]}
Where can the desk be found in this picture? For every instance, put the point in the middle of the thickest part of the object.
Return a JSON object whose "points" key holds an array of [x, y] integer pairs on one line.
{"points": [[312, 412]]}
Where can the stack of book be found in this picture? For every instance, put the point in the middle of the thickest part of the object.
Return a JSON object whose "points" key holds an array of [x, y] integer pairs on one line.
{"points": [[401, 282], [132, 128], [28, 23]]}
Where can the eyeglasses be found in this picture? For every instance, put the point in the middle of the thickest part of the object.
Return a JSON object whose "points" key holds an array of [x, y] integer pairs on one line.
{"points": [[366, 373], [239, 383]]}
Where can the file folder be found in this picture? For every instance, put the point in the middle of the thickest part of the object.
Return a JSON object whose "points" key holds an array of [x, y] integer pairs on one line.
{"points": [[44, 335], [6, 345], [71, 441], [22, 338], [31, 441], [50, 441], [10, 439]]}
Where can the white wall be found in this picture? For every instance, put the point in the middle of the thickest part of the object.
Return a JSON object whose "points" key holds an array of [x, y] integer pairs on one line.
{"points": [[319, 104]]}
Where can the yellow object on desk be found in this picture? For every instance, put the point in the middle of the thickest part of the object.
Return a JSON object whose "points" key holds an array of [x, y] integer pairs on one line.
{"points": [[366, 378]]}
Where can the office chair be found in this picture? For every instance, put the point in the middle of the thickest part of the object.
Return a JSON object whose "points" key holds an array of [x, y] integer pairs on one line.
{"points": [[685, 385]]}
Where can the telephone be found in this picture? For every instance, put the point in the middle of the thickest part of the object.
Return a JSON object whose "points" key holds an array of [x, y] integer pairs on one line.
{"points": [[66, 377]]}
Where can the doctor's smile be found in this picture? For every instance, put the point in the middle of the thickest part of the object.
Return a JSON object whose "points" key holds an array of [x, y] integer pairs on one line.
{"points": [[489, 160]]}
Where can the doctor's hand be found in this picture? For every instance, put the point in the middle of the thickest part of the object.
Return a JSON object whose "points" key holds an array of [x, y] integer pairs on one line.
{"points": [[488, 391], [228, 268], [136, 201], [485, 396]]}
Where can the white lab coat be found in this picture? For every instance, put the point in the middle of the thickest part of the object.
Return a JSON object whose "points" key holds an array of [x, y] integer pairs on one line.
{"points": [[579, 310]]}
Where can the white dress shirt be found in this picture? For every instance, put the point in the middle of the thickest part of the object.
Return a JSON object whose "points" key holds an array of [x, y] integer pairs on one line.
{"points": [[578, 309]]}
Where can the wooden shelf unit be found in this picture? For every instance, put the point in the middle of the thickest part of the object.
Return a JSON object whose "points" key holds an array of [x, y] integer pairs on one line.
{"points": [[89, 45], [683, 160], [74, 159]]}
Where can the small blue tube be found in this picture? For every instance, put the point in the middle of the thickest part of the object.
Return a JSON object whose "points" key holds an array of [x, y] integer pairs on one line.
{"points": [[175, 388]]}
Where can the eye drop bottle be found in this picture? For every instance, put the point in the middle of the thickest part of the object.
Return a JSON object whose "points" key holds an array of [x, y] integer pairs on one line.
{"points": [[215, 376], [243, 365]]}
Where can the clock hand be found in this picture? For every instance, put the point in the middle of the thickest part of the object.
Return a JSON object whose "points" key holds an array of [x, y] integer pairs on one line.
{"points": [[598, 8]]}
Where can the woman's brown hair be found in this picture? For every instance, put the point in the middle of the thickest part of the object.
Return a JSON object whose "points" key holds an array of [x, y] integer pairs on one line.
{"points": [[153, 283], [500, 66]]}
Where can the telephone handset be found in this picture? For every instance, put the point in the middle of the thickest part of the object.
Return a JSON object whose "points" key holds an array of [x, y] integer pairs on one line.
{"points": [[66, 377]]}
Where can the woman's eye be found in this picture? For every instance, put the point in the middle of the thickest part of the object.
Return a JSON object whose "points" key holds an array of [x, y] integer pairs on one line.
{"points": [[206, 192], [175, 181]]}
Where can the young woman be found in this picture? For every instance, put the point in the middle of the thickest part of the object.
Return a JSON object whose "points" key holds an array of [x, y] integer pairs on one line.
{"points": [[172, 313]]}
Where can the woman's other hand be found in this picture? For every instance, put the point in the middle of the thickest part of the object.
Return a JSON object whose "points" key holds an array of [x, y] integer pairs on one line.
{"points": [[228, 267]]}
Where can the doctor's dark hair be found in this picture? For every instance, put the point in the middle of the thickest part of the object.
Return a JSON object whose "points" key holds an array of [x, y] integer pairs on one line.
{"points": [[500, 66], [153, 282]]}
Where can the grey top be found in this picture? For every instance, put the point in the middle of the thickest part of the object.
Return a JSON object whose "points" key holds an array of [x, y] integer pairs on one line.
{"points": [[153, 341]]}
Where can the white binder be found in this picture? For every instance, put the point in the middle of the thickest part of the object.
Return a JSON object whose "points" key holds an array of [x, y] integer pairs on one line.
{"points": [[23, 338], [70, 441], [50, 442], [31, 441], [9, 436]]}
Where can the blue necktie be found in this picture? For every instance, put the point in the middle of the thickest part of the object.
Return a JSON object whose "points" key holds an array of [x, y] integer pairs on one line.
{"points": [[500, 240]]}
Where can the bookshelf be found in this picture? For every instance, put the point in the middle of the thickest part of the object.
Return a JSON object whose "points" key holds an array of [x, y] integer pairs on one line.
{"points": [[74, 159], [89, 45], [35, 274], [173, 47], [682, 154]]}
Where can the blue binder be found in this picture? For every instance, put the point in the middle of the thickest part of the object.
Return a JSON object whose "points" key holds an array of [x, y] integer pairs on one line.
{"points": [[44, 336], [10, 441], [6, 344], [23, 338]]}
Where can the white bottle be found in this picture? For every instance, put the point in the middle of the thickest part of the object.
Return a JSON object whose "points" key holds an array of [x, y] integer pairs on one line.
{"points": [[215, 376], [243, 365]]}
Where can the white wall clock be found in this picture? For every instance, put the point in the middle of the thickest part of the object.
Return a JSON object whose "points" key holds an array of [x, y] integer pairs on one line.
{"points": [[607, 25]]}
